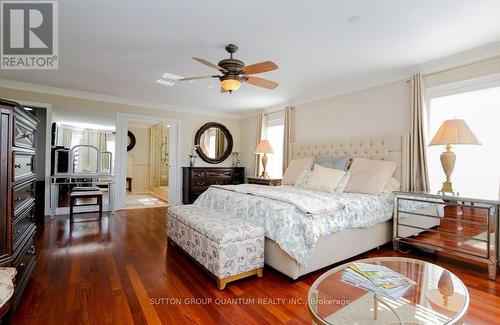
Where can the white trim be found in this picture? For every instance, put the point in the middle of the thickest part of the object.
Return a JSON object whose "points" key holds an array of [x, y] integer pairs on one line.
{"points": [[24, 86], [174, 184], [48, 146]]}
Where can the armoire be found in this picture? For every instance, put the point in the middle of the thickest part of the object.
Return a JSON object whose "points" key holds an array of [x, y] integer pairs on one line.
{"points": [[17, 192]]}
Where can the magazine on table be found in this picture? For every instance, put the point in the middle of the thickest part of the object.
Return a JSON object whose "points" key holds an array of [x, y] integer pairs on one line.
{"points": [[378, 279]]}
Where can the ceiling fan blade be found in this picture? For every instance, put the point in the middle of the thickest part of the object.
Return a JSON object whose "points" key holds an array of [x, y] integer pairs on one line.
{"points": [[210, 64], [260, 82], [259, 67], [195, 78], [223, 90]]}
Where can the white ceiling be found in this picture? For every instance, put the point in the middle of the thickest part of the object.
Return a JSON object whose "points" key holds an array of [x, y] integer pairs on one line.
{"points": [[120, 48]]}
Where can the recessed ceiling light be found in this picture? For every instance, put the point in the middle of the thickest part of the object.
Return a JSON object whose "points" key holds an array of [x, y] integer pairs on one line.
{"points": [[165, 82], [170, 76], [356, 18]]}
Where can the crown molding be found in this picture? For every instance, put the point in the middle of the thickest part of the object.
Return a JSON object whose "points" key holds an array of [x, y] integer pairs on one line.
{"points": [[36, 88]]}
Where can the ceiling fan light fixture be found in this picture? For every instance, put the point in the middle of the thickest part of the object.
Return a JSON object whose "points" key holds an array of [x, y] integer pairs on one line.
{"points": [[230, 84]]}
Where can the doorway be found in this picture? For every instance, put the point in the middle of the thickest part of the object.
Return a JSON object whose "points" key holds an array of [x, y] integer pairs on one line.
{"points": [[145, 167]]}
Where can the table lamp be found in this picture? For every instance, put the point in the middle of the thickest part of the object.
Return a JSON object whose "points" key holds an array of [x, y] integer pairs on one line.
{"points": [[262, 148], [452, 132]]}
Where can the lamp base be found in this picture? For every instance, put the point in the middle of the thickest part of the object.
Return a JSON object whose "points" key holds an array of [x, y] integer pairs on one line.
{"points": [[447, 188], [264, 175]]}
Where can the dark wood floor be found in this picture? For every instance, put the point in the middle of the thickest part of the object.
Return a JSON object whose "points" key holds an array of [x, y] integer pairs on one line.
{"points": [[121, 272]]}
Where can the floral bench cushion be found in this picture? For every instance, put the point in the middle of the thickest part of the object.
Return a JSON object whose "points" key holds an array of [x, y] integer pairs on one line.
{"points": [[214, 225]]}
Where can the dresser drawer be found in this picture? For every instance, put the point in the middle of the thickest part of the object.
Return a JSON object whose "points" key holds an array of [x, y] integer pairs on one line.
{"points": [[22, 196], [24, 261], [24, 132], [199, 173], [21, 224], [24, 166], [199, 182]]}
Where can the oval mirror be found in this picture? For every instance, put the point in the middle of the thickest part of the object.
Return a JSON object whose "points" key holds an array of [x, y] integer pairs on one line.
{"points": [[213, 142]]}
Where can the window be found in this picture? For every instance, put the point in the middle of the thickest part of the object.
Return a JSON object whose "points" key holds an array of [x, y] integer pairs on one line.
{"points": [[274, 134], [477, 168]]}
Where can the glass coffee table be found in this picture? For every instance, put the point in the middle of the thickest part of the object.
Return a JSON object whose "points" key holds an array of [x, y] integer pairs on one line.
{"points": [[439, 297]]}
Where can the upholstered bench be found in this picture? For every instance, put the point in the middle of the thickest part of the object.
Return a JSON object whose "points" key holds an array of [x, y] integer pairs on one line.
{"points": [[229, 248]]}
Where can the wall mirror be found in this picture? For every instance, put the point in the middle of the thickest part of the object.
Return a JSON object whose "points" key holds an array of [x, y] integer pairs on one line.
{"points": [[213, 142]]}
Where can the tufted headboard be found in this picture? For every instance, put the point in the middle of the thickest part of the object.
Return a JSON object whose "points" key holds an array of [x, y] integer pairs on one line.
{"points": [[381, 147]]}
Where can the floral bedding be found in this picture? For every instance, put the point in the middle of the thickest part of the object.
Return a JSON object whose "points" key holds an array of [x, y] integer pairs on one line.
{"points": [[295, 233]]}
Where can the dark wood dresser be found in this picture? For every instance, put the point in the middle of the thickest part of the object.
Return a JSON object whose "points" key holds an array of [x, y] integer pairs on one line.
{"points": [[195, 180], [17, 192]]}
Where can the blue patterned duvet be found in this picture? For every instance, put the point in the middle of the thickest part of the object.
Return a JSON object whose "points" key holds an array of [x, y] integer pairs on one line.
{"points": [[295, 233]]}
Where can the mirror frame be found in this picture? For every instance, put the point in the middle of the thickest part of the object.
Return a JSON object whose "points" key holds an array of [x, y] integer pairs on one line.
{"points": [[226, 133]]}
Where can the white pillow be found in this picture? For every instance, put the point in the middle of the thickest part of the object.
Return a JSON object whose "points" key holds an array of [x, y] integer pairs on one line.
{"points": [[370, 176], [303, 178], [295, 169], [392, 185], [325, 179]]}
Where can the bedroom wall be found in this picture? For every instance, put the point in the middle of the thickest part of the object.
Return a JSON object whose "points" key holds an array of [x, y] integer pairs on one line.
{"points": [[94, 111], [384, 109]]}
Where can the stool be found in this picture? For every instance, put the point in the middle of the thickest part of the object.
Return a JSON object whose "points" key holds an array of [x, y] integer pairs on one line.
{"points": [[73, 196]]}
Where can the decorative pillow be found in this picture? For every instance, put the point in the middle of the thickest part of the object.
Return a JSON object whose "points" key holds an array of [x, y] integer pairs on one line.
{"points": [[325, 179], [295, 169], [392, 185], [343, 183], [370, 176], [336, 162], [303, 178]]}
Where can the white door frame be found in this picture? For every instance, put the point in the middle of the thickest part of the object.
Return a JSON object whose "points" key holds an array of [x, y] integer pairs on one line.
{"points": [[48, 146], [174, 187]]}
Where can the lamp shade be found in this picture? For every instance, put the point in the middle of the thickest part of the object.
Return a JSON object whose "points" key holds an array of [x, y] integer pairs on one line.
{"points": [[454, 132], [264, 147]]}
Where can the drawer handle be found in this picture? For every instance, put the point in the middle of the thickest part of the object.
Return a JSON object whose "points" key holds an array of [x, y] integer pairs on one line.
{"points": [[17, 199], [201, 183], [28, 164], [17, 165], [22, 264], [18, 232], [459, 244], [459, 213], [460, 228]]}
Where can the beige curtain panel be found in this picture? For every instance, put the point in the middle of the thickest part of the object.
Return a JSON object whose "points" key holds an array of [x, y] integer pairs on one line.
{"points": [[261, 126], [288, 136], [417, 178]]}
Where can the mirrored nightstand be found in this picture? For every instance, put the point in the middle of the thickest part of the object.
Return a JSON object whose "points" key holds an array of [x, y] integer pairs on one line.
{"points": [[461, 226]]}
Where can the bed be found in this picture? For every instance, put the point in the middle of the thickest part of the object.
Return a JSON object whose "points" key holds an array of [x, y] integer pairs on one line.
{"points": [[297, 245]]}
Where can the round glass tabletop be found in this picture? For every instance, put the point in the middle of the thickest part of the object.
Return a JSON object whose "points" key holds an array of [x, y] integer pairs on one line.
{"points": [[439, 297]]}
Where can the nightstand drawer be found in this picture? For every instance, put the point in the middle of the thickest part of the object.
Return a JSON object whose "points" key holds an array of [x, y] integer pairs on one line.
{"points": [[477, 246]]}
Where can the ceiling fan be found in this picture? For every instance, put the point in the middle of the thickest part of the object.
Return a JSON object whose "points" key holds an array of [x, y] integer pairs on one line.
{"points": [[234, 72]]}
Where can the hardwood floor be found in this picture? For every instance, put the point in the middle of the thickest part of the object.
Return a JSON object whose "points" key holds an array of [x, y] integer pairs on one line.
{"points": [[122, 272]]}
